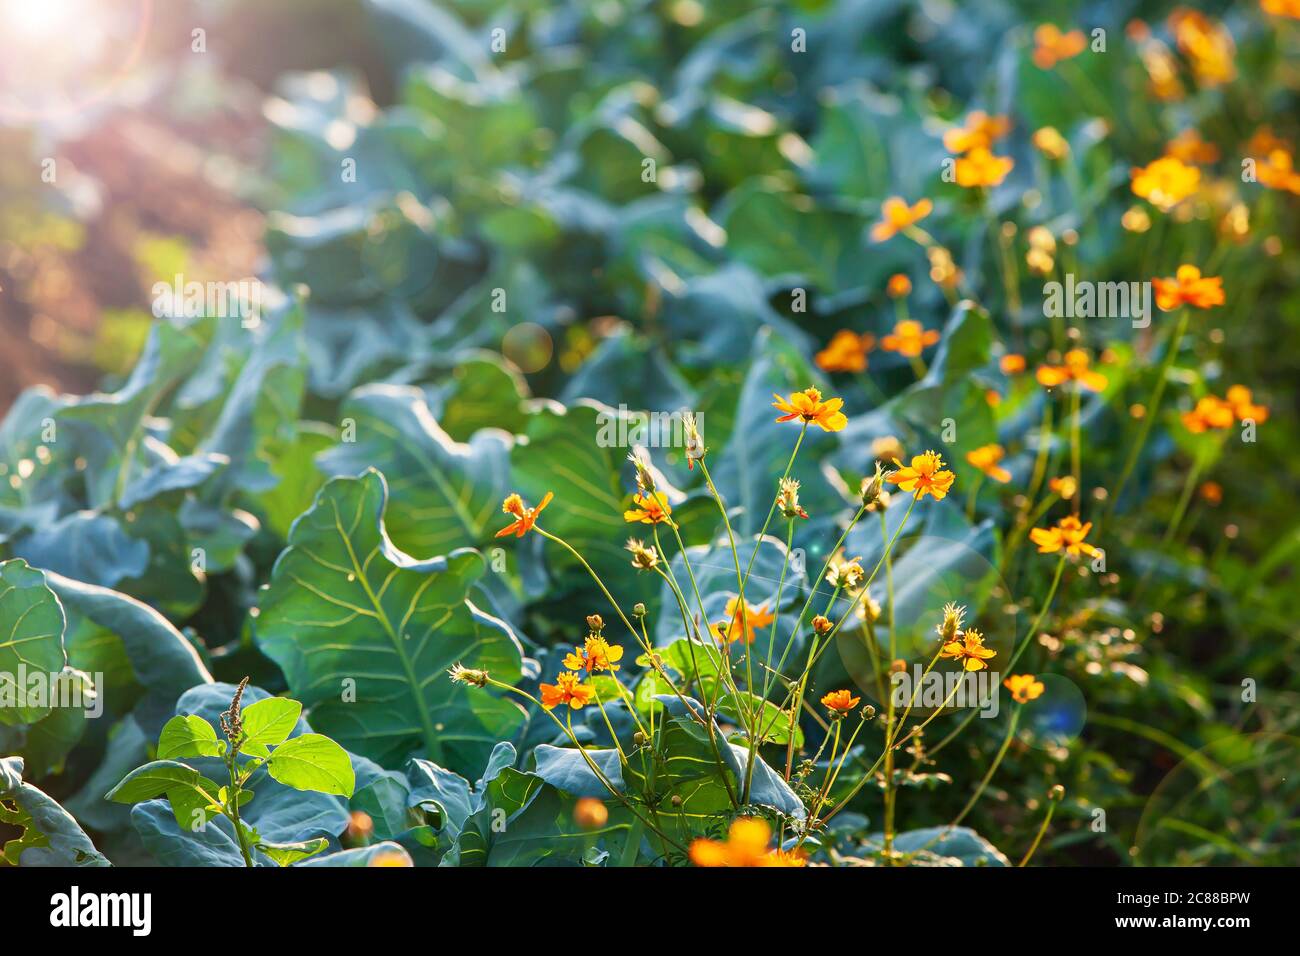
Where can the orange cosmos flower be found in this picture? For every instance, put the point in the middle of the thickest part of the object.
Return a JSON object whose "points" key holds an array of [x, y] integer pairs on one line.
{"points": [[1065, 487], [1277, 172], [746, 845], [898, 286], [847, 352], [567, 690], [924, 476], [840, 702], [979, 167], [649, 509], [1210, 412], [979, 132], [596, 654], [525, 518], [1243, 405], [1051, 45], [1068, 534], [986, 459], [1165, 182], [1023, 687], [1281, 8], [1188, 147], [909, 338], [1076, 369], [968, 649], [1012, 364], [1211, 492], [896, 215], [734, 628], [808, 406], [1187, 287]]}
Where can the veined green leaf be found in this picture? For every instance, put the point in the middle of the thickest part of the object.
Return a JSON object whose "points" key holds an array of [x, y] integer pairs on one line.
{"points": [[365, 635]]}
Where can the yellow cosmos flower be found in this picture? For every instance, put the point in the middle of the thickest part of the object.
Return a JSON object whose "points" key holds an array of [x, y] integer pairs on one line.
{"points": [[979, 167], [1052, 46], [840, 702], [1023, 687], [847, 352], [567, 689], [1076, 369], [738, 626], [1065, 487], [1165, 182], [896, 215], [746, 845], [1281, 8], [925, 476], [968, 649], [808, 406], [596, 655], [649, 509], [986, 459], [909, 338], [1207, 44], [1068, 534], [980, 131], [1051, 143], [525, 518], [1187, 287]]}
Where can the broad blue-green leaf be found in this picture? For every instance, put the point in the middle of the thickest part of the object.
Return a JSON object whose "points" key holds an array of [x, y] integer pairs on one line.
{"points": [[442, 494], [86, 547], [946, 846], [565, 769], [50, 837], [31, 640], [347, 610], [105, 626], [378, 854]]}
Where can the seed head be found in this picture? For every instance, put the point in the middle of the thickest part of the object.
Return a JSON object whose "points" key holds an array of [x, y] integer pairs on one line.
{"points": [[466, 675]]}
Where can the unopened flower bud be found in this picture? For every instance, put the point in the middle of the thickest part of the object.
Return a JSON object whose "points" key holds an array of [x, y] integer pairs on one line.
{"points": [[868, 712], [638, 609], [822, 624], [596, 623], [640, 739], [873, 485], [1056, 793], [676, 800]]}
